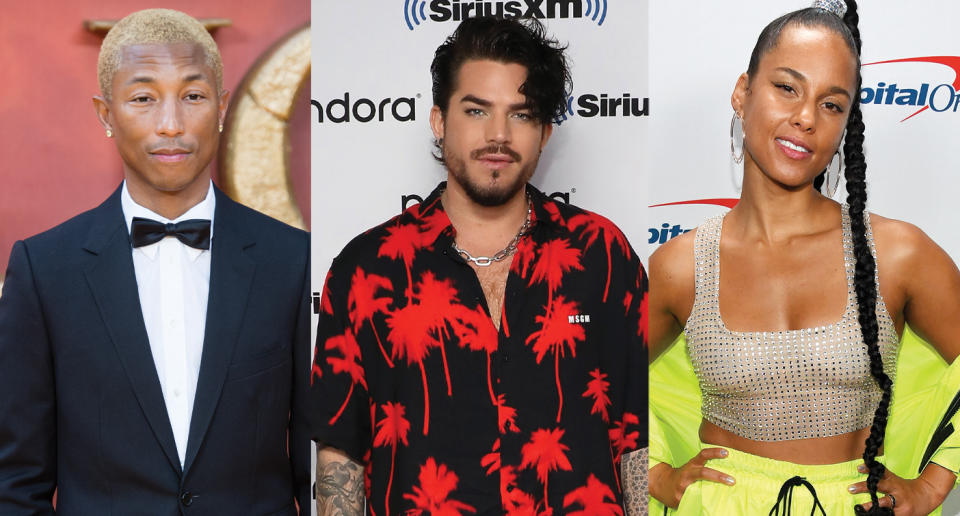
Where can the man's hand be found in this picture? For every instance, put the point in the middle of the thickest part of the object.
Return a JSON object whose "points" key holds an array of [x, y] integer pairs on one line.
{"points": [[339, 484]]}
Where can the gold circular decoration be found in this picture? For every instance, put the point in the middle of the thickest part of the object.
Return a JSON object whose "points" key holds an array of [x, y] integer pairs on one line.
{"points": [[254, 160]]}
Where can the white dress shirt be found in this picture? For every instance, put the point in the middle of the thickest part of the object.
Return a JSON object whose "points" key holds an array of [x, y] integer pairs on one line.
{"points": [[173, 281]]}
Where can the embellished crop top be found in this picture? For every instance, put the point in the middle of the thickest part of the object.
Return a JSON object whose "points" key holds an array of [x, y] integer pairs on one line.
{"points": [[784, 385]]}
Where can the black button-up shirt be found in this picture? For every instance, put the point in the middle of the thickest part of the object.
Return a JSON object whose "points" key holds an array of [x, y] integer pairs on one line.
{"points": [[412, 378]]}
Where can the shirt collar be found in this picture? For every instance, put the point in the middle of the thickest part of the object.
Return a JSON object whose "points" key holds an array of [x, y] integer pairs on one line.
{"points": [[544, 214], [203, 210]]}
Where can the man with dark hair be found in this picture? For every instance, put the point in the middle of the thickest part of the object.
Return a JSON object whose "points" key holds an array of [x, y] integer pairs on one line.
{"points": [[482, 352], [154, 351]]}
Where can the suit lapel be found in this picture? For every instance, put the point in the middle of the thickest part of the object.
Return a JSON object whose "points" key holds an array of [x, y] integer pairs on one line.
{"points": [[114, 285], [231, 274]]}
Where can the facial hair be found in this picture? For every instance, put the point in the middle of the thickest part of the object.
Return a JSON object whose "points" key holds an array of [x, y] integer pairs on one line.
{"points": [[490, 195]]}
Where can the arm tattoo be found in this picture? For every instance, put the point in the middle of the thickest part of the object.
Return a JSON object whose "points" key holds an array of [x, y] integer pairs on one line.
{"points": [[339, 485], [634, 481]]}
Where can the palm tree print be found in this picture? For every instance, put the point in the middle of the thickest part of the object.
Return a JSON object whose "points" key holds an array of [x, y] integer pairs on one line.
{"points": [[422, 324], [348, 363], [391, 430], [363, 303], [593, 226], [545, 453], [432, 495], [597, 389], [593, 498], [402, 243], [621, 439], [476, 332], [556, 258], [555, 335]]}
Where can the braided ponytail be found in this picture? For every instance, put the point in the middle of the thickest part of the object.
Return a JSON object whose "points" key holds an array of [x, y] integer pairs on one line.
{"points": [[865, 284]]}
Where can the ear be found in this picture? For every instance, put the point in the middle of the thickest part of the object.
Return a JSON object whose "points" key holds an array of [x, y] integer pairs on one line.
{"points": [[740, 92], [102, 106], [546, 130], [224, 102], [437, 122]]}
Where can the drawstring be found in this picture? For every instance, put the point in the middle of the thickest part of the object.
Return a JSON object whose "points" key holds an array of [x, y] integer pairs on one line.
{"points": [[786, 497]]}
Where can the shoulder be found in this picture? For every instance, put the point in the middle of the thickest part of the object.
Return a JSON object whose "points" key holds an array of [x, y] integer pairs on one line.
{"points": [[276, 237], [58, 242], [901, 245], [674, 261]]}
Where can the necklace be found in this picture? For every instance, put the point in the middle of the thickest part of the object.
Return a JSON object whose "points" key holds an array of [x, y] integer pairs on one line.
{"points": [[486, 261]]}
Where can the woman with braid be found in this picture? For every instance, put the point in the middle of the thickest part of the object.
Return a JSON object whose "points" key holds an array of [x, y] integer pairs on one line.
{"points": [[795, 345]]}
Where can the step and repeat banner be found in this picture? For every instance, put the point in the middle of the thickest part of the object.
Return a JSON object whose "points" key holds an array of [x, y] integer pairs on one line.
{"points": [[910, 102], [371, 99]]}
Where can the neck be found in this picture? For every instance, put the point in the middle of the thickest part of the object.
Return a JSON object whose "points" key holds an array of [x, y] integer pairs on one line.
{"points": [[773, 213], [483, 230], [170, 204]]}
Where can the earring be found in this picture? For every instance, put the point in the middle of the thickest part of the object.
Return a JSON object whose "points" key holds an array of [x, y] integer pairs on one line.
{"points": [[220, 128], [829, 184], [109, 133], [737, 157]]}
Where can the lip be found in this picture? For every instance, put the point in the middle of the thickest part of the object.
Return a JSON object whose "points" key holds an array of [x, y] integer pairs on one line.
{"points": [[169, 155], [496, 161], [792, 153]]}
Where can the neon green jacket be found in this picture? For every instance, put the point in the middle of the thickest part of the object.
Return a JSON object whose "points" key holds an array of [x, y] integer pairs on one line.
{"points": [[924, 421]]}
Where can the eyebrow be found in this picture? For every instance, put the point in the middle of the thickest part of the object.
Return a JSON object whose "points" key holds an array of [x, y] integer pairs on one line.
{"points": [[146, 79], [486, 103], [800, 77]]}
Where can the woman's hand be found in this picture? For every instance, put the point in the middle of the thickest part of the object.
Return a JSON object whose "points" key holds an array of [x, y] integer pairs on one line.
{"points": [[668, 484], [917, 497]]}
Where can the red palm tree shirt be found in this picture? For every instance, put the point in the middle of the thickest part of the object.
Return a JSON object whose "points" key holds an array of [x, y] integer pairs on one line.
{"points": [[452, 416]]}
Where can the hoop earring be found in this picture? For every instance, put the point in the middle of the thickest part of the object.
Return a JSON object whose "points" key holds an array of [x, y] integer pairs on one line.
{"points": [[737, 157], [832, 184]]}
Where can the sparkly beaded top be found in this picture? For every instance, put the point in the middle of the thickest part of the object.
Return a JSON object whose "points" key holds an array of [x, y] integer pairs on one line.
{"points": [[783, 385]]}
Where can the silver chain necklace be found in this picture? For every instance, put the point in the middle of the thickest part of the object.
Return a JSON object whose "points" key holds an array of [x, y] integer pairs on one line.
{"points": [[486, 261]]}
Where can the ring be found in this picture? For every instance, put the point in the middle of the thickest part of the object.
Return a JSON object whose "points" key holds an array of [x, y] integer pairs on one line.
{"points": [[893, 500]]}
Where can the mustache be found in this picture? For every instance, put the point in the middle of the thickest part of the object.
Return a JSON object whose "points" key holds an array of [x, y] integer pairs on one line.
{"points": [[173, 143], [496, 149]]}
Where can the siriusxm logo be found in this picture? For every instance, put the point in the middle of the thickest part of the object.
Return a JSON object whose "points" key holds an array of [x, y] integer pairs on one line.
{"points": [[416, 12], [589, 105], [924, 95], [343, 110]]}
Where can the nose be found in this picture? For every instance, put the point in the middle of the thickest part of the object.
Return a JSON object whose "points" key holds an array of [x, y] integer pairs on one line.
{"points": [[498, 129], [170, 121], [804, 118]]}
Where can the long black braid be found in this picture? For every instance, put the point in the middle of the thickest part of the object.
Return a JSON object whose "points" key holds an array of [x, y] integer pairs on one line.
{"points": [[865, 284], [855, 169]]}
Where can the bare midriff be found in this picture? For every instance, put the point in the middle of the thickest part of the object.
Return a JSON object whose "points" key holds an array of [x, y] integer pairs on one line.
{"points": [[819, 450]]}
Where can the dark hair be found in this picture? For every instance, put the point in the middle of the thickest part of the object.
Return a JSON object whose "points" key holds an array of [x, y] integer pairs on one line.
{"points": [[523, 42], [855, 174]]}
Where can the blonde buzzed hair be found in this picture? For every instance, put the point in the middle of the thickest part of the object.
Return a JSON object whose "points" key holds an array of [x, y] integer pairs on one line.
{"points": [[154, 27]]}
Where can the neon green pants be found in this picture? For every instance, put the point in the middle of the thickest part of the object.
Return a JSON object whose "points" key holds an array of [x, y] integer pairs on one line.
{"points": [[762, 484]]}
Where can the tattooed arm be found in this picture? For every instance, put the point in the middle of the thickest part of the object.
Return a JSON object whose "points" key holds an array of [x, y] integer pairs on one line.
{"points": [[339, 484], [633, 480]]}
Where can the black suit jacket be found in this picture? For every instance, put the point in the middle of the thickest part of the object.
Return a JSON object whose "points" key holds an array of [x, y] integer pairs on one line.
{"points": [[81, 410]]}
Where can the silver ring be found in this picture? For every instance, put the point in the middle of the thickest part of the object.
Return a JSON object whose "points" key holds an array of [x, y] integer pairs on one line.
{"points": [[893, 500]]}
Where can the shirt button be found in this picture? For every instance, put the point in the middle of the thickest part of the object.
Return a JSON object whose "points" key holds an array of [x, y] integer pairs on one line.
{"points": [[172, 323], [176, 392]]}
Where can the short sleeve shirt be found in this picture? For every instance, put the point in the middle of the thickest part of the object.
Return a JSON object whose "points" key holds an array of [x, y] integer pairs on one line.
{"points": [[448, 413]]}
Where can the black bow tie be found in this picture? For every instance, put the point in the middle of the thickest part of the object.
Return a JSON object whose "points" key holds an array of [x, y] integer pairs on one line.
{"points": [[194, 232]]}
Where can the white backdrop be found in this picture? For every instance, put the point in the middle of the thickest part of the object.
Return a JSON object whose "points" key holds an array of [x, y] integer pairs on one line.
{"points": [[367, 50], [696, 55], [697, 51]]}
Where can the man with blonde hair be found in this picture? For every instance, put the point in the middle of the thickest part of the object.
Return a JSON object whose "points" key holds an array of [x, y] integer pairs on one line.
{"points": [[154, 350]]}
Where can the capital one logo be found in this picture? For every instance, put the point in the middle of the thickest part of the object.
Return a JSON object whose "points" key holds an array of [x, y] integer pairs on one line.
{"points": [[417, 12], [917, 94]]}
